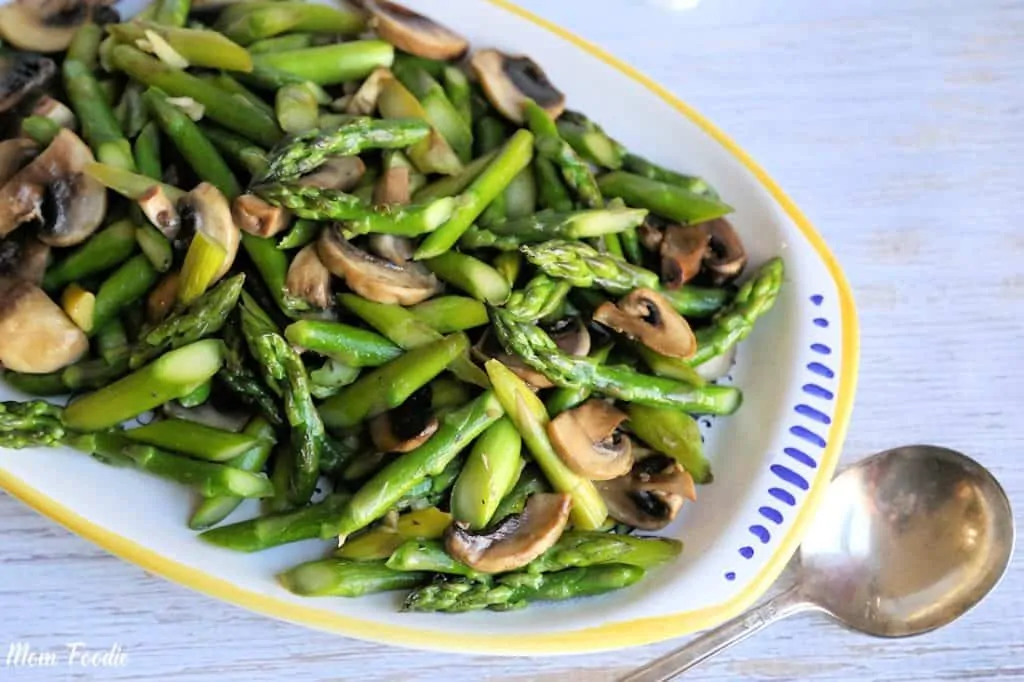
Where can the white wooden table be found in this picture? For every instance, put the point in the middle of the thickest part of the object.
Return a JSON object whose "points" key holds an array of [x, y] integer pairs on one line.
{"points": [[896, 125]]}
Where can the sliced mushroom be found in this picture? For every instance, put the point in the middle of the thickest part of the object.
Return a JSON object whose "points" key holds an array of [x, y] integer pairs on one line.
{"points": [[589, 441], [516, 540], [392, 248], [22, 74], [14, 154], [650, 495], [308, 279], [25, 259], [339, 172], [374, 278], [161, 299], [56, 111], [726, 256], [682, 253], [405, 427], [570, 335], [651, 236], [510, 80], [257, 217], [48, 25], [364, 101], [205, 211], [645, 315], [36, 336], [53, 188], [414, 33], [393, 187], [160, 208]]}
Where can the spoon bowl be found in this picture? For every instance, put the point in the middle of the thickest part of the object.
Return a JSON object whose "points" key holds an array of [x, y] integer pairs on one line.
{"points": [[906, 541]]}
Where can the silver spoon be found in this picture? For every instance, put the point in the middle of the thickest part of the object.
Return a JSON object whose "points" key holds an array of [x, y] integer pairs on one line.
{"points": [[905, 541]]}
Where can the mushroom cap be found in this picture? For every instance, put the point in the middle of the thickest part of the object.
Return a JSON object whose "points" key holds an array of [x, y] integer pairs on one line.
{"points": [[391, 247], [393, 187], [645, 315], [375, 278], [36, 337], [725, 257], [407, 426], [257, 217], [509, 80], [21, 74], [514, 541], [414, 33], [308, 279], [338, 172], [205, 209], [48, 25], [363, 101], [160, 208], [682, 253], [25, 259], [14, 154], [650, 496], [55, 188], [589, 441]]}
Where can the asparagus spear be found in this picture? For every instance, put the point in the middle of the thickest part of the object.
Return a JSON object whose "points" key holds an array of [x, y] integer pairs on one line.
{"points": [[553, 194], [541, 296], [40, 129], [622, 383], [446, 314], [641, 166], [297, 108], [513, 157], [673, 433], [590, 141], [94, 373], [331, 64], [236, 148], [291, 41], [201, 48], [345, 578], [248, 22], [432, 154], [332, 376], [171, 376], [439, 110], [351, 345], [546, 225], [171, 12], [562, 399], [85, 44], [509, 263], [489, 473], [124, 286], [662, 199], [403, 473], [379, 542], [516, 590], [234, 88], [242, 381], [390, 385], [430, 556], [551, 146], [31, 424], [264, 532], [530, 481], [456, 86], [735, 322], [490, 136], [109, 247], [99, 125], [583, 266], [213, 510], [450, 185], [112, 342], [470, 274], [302, 232], [196, 440]]}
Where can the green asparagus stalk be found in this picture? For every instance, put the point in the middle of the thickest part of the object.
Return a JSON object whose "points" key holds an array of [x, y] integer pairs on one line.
{"points": [[381, 541], [470, 274], [264, 532], [85, 44], [93, 373], [432, 154], [351, 345], [193, 439], [390, 385], [509, 263], [172, 376], [403, 328], [402, 474], [172, 12], [451, 185], [213, 510], [668, 201], [236, 149], [231, 112], [297, 108], [99, 125], [490, 136], [562, 399], [611, 245], [590, 141], [531, 419], [40, 129], [124, 286], [673, 433], [735, 322], [447, 314], [304, 153], [551, 146], [552, 192], [456, 86], [155, 246], [200, 153], [583, 266], [248, 22], [489, 473], [579, 549], [243, 382], [541, 296], [272, 265], [42, 385], [430, 556], [516, 590], [530, 481], [147, 151], [538, 351], [345, 578], [439, 110], [233, 87], [514, 156], [521, 196], [547, 225], [284, 43], [302, 232], [112, 342], [197, 397], [631, 248], [130, 112], [332, 376], [31, 424], [642, 167], [107, 248], [331, 64], [202, 48]]}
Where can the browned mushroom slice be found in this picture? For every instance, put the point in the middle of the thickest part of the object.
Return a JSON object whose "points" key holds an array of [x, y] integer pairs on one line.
{"points": [[650, 495], [205, 210], [14, 154], [645, 315], [363, 101], [161, 211], [392, 248], [393, 187], [516, 540], [589, 441], [682, 253], [53, 188], [375, 278], [405, 427], [414, 33], [570, 335], [308, 279], [21, 74], [36, 336], [510, 80], [161, 299], [257, 217], [340, 172], [26, 258], [651, 235], [56, 111], [726, 257], [48, 25]]}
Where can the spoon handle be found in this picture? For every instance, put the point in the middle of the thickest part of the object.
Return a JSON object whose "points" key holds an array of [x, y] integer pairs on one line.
{"points": [[725, 635]]}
